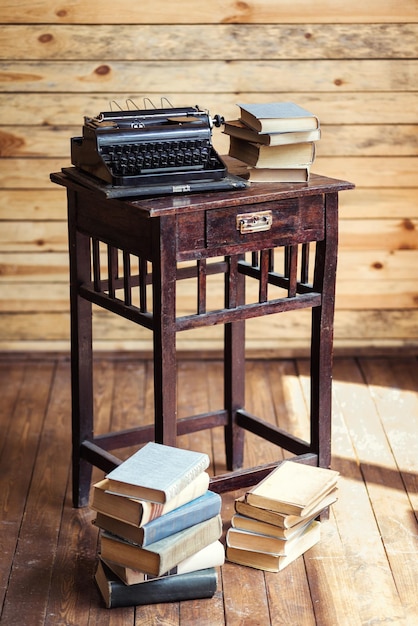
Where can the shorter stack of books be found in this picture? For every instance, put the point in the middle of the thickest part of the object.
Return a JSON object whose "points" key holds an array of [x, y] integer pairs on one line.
{"points": [[276, 521], [276, 140], [159, 528]]}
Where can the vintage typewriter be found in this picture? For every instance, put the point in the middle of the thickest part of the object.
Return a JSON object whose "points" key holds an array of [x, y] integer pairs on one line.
{"points": [[167, 149]]}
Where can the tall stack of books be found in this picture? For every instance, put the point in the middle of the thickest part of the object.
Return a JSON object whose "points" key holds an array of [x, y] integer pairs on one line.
{"points": [[276, 140], [276, 521], [159, 528]]}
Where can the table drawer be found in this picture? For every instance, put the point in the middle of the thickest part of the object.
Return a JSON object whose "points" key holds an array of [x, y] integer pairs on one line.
{"points": [[266, 224]]}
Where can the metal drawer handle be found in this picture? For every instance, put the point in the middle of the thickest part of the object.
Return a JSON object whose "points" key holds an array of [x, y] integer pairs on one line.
{"points": [[254, 222]]}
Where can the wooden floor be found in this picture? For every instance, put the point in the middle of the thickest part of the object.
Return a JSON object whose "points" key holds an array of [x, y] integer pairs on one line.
{"points": [[363, 571]]}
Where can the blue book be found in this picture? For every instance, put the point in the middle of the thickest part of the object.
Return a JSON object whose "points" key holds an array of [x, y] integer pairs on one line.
{"points": [[198, 510]]}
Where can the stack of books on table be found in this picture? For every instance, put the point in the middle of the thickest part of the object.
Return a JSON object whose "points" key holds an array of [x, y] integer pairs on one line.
{"points": [[159, 528], [276, 521], [276, 140]]}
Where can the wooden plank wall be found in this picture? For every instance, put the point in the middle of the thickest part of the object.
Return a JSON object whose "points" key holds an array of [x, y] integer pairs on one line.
{"points": [[352, 63]]}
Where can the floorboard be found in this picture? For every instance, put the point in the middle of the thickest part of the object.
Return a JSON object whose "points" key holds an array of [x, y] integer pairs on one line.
{"points": [[363, 571]]}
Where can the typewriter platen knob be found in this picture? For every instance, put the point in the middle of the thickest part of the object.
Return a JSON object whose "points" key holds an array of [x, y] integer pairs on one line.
{"points": [[218, 120]]}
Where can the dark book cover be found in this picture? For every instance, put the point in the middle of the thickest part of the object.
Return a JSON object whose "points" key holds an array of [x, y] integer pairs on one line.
{"points": [[191, 586]]}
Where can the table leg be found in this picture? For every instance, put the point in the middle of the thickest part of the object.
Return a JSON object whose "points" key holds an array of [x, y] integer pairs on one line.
{"points": [[81, 358], [322, 335], [234, 367], [164, 330]]}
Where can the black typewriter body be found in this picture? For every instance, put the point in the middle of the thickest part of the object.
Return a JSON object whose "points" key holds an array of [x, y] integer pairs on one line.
{"points": [[146, 147]]}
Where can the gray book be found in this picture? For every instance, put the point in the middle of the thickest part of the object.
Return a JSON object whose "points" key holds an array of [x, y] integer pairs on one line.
{"points": [[276, 117], [157, 472]]}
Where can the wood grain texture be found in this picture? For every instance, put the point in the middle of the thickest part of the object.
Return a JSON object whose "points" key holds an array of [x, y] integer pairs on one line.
{"points": [[151, 42], [49, 204], [257, 11], [379, 467], [20, 451], [346, 140], [390, 327], [224, 76], [52, 269], [354, 65], [63, 110], [356, 295], [389, 234], [385, 171], [363, 570]]}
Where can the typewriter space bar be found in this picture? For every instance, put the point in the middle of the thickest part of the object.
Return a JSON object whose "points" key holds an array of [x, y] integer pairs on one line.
{"points": [[159, 170], [172, 177]]}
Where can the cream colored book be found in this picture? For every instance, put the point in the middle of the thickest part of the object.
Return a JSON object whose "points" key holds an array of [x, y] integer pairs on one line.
{"points": [[282, 520], [161, 556], [293, 488], [236, 128], [278, 175], [212, 555], [250, 525], [140, 512], [248, 540], [270, 562], [297, 155]]}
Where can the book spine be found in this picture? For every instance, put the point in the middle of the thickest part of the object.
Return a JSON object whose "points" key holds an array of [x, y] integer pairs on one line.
{"points": [[140, 512], [195, 489], [129, 510], [197, 511], [194, 538], [212, 555], [195, 585], [188, 476], [161, 556]]}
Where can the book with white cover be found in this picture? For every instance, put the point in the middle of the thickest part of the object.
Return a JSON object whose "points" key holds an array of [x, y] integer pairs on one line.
{"points": [[278, 117], [157, 472], [212, 555]]}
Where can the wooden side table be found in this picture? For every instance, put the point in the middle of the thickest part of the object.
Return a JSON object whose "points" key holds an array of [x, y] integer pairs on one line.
{"points": [[234, 233]]}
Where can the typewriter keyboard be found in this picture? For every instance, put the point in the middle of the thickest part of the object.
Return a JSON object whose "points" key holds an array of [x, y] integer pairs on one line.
{"points": [[133, 159]]}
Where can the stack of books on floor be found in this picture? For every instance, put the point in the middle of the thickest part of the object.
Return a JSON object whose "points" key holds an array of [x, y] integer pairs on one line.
{"points": [[159, 528], [276, 140], [276, 521]]}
